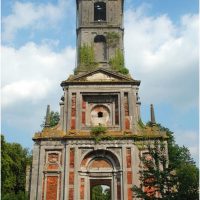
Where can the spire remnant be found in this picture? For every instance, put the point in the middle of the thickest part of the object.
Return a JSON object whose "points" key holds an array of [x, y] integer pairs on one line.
{"points": [[153, 121], [47, 118]]}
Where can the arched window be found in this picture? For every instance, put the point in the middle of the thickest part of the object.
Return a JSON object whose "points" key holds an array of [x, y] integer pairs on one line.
{"points": [[100, 48], [99, 11], [100, 38]]}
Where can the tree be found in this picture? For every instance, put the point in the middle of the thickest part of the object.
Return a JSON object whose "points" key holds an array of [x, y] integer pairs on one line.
{"points": [[158, 181], [101, 192], [14, 159], [54, 119], [187, 172], [182, 166]]}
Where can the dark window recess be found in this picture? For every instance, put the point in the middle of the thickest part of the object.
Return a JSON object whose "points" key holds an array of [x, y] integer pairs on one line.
{"points": [[100, 11], [100, 114], [100, 38]]}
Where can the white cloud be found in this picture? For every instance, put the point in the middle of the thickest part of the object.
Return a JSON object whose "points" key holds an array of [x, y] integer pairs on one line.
{"points": [[164, 56], [33, 71], [25, 89], [34, 16]]}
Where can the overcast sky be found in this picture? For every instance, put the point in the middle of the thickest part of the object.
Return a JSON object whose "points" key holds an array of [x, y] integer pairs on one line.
{"points": [[161, 50]]}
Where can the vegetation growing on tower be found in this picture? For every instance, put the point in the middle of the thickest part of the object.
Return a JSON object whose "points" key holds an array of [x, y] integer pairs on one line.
{"points": [[86, 58], [117, 62], [112, 39]]}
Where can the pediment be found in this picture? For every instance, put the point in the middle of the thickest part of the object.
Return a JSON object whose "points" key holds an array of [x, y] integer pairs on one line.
{"points": [[101, 75]]}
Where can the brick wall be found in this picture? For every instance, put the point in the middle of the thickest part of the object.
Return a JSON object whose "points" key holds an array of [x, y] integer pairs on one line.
{"points": [[71, 174], [129, 172]]}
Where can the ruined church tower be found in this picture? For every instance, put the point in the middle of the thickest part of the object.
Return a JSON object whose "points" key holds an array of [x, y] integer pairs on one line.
{"points": [[99, 138]]}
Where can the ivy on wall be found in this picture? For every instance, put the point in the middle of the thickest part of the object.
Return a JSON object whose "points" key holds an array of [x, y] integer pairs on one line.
{"points": [[117, 62]]}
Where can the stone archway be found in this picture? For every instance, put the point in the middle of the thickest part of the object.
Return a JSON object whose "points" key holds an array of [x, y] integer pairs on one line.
{"points": [[100, 48], [100, 167]]}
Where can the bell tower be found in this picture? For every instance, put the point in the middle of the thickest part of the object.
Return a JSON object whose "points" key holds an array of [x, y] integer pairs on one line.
{"points": [[100, 28], [98, 142]]}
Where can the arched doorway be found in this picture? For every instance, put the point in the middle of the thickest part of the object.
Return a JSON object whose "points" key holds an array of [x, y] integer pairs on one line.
{"points": [[100, 171], [100, 49]]}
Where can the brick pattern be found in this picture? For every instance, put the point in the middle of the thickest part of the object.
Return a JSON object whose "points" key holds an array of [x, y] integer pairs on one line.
{"points": [[126, 107], [116, 112], [71, 193], [126, 110], [51, 189], [82, 188], [129, 172], [71, 156], [73, 111], [100, 164], [71, 174], [51, 183], [128, 158], [83, 112]]}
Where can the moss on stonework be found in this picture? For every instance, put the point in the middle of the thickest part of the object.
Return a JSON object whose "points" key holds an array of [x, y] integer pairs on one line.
{"points": [[112, 39], [141, 124]]}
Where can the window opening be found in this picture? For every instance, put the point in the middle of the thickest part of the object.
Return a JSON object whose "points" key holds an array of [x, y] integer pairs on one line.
{"points": [[100, 114], [100, 11], [100, 192], [100, 38]]}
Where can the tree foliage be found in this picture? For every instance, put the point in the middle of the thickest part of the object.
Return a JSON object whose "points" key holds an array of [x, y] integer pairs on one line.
{"points": [[98, 193], [14, 159], [157, 180], [117, 62], [54, 119], [181, 172]]}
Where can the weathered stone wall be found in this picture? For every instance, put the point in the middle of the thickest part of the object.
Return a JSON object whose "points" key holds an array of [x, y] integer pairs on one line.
{"points": [[63, 169], [84, 102], [88, 29]]}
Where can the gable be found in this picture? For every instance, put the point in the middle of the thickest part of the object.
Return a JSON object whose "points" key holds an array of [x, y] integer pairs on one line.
{"points": [[99, 76]]}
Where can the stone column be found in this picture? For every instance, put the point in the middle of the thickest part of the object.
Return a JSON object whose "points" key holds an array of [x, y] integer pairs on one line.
{"points": [[66, 108], [122, 113], [78, 110], [35, 171], [69, 104], [124, 179], [41, 174]]}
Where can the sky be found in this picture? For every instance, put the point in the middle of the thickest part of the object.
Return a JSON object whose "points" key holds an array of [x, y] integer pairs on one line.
{"points": [[39, 49]]}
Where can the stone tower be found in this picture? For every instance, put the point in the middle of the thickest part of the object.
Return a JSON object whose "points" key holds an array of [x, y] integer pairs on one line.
{"points": [[99, 137], [100, 26]]}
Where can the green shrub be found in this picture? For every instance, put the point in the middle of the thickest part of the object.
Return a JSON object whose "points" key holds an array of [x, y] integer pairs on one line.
{"points": [[117, 62], [87, 57], [97, 130]]}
